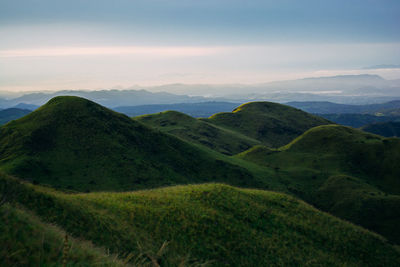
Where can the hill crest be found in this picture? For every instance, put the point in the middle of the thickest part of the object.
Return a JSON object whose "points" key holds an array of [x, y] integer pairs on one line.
{"points": [[74, 143]]}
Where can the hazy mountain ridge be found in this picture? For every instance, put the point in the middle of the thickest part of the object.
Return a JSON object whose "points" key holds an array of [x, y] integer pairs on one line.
{"points": [[9, 114], [388, 129], [358, 120], [355, 89], [108, 98], [325, 107]]}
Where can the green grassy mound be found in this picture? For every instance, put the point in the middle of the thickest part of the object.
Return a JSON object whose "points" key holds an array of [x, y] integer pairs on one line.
{"points": [[27, 241], [270, 123], [324, 151], [74, 143], [354, 152], [200, 132], [354, 200], [387, 129], [213, 223]]}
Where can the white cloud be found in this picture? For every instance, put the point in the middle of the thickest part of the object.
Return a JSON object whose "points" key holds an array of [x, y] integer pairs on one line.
{"points": [[166, 51]]}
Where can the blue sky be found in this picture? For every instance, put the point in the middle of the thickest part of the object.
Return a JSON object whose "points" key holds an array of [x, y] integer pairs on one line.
{"points": [[98, 44]]}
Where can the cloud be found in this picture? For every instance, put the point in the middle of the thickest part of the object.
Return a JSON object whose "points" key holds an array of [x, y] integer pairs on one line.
{"points": [[383, 66], [166, 51]]}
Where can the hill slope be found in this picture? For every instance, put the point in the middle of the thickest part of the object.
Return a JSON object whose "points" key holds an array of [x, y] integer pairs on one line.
{"points": [[323, 152], [74, 143], [219, 224], [387, 129], [270, 123], [355, 200], [200, 132], [27, 241], [202, 109]]}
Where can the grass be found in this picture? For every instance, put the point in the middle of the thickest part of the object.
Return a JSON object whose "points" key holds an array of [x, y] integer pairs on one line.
{"points": [[200, 132], [72, 144], [310, 160], [354, 200], [27, 241], [75, 144], [270, 123], [214, 223]]}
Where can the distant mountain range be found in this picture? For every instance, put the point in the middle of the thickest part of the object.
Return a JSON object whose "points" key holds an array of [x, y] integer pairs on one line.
{"points": [[329, 107], [388, 129], [349, 89], [342, 88], [108, 98], [9, 114], [358, 120]]}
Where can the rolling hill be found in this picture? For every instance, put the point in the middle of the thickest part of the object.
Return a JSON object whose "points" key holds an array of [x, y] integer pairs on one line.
{"points": [[209, 224], [197, 131], [270, 123], [388, 129], [324, 152], [76, 144], [202, 109]]}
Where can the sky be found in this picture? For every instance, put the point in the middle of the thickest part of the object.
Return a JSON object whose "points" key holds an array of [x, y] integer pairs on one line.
{"points": [[99, 44]]}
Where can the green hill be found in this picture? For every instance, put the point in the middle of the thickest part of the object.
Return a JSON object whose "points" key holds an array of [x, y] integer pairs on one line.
{"points": [[270, 123], [387, 129], [330, 150], [200, 132], [355, 200], [212, 223], [76, 144]]}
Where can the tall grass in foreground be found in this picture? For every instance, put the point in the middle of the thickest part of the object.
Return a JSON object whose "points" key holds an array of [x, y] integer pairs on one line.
{"points": [[214, 223]]}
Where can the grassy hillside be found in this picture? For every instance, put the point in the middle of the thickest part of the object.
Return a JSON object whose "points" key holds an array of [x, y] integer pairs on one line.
{"points": [[355, 152], [201, 109], [76, 144], [27, 241], [355, 200], [200, 132], [331, 150], [213, 223], [270, 123], [387, 129]]}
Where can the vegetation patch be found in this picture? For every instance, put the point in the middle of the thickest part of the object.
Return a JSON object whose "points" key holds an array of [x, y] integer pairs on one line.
{"points": [[213, 223]]}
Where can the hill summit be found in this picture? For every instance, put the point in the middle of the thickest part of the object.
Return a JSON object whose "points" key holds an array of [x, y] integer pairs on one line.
{"points": [[74, 143], [271, 123]]}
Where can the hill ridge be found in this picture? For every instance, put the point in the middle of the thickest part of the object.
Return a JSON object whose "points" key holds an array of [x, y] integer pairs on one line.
{"points": [[270, 123], [75, 143], [211, 222]]}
